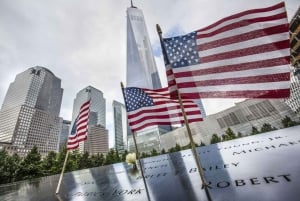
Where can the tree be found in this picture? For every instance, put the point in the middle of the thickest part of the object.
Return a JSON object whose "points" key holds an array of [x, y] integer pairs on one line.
{"points": [[31, 166], [215, 139], [97, 160], [145, 155], [110, 157], [84, 161], [3, 166], [266, 128], [49, 164], [254, 131], [231, 135], [123, 157], [177, 147], [154, 152], [202, 144], [287, 122], [163, 151], [13, 164]]}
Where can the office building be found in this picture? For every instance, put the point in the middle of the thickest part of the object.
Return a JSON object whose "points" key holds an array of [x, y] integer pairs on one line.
{"points": [[294, 100], [64, 133], [96, 117], [120, 126], [30, 112]]}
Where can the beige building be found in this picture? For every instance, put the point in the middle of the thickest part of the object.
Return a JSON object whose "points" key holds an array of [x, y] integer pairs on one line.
{"points": [[240, 118]]}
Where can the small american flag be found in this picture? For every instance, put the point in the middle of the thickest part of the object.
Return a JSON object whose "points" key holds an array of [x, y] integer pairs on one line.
{"points": [[80, 126], [147, 107], [246, 55]]}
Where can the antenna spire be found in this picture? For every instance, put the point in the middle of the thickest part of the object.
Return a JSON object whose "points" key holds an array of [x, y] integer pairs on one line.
{"points": [[132, 6]]}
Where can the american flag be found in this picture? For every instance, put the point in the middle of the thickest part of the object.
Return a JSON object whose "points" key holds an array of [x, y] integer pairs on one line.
{"points": [[80, 126], [147, 107], [246, 55]]}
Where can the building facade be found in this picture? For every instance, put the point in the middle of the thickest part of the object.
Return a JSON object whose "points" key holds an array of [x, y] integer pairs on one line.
{"points": [[97, 116], [141, 67], [240, 118], [120, 126], [30, 112], [294, 100], [64, 133]]}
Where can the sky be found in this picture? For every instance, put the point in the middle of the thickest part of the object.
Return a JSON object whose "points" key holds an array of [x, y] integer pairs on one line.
{"points": [[84, 42]]}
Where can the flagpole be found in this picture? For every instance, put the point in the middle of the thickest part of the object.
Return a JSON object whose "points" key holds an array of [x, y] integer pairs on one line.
{"points": [[61, 174], [198, 162], [137, 152]]}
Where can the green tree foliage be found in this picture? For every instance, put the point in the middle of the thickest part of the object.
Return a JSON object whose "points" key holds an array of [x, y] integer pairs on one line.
{"points": [[154, 152], [13, 164], [97, 160], [266, 128], [163, 151], [3, 166], [84, 161], [254, 131], [287, 122], [215, 139], [110, 157], [145, 155], [31, 166], [49, 164], [123, 157], [202, 144]]}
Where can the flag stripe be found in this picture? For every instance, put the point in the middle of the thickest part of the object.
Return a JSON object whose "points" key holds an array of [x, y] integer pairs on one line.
{"points": [[231, 68], [243, 35], [243, 26], [247, 52], [147, 107], [81, 126], [257, 12], [279, 93]]}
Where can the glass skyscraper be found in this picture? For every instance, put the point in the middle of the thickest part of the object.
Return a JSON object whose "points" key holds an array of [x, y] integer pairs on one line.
{"points": [[96, 119], [141, 72], [141, 67], [120, 126], [30, 112]]}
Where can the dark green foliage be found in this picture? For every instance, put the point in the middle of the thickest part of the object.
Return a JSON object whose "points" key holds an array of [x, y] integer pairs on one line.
{"points": [[31, 166], [154, 152], [266, 128], [163, 151], [49, 164], [215, 139], [287, 122], [254, 131], [202, 144]]}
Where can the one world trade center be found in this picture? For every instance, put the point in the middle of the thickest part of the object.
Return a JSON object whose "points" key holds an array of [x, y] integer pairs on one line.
{"points": [[141, 72]]}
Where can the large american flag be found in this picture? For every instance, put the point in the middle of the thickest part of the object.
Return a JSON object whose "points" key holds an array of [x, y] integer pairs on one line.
{"points": [[246, 55], [147, 107], [79, 129]]}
